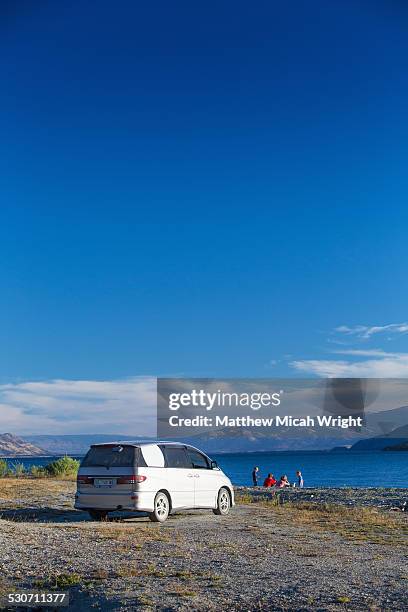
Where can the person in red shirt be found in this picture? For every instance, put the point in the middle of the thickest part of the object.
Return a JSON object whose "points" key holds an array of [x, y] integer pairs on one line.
{"points": [[270, 481]]}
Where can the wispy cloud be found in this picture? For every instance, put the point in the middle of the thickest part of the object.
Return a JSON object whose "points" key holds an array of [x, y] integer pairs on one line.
{"points": [[367, 331], [79, 406], [378, 364], [366, 353]]}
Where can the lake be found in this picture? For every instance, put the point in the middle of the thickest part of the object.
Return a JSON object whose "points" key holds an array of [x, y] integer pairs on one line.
{"points": [[319, 468]]}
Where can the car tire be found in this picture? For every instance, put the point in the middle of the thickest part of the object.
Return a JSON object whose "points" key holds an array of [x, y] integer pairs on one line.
{"points": [[161, 508], [223, 502], [98, 515]]}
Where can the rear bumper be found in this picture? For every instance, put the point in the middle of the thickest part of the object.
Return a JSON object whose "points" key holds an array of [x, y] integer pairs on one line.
{"points": [[100, 500]]}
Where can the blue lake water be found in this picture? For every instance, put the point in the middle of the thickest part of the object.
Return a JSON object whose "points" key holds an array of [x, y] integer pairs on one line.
{"points": [[352, 469]]}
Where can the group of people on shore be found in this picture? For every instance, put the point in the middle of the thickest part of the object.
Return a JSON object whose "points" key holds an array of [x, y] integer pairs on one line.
{"points": [[270, 480]]}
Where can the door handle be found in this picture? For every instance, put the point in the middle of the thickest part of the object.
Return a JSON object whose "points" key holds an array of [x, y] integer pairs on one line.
{"points": [[190, 475], [196, 475]]}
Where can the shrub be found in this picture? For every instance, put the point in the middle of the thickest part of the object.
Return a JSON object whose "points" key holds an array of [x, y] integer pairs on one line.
{"points": [[64, 466], [4, 469], [18, 469], [64, 581], [58, 581], [38, 471]]}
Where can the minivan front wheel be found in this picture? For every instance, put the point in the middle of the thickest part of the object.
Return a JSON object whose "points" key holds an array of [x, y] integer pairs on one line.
{"points": [[223, 502], [98, 515], [161, 508]]}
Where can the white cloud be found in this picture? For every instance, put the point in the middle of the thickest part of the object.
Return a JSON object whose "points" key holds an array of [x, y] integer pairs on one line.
{"points": [[79, 406], [366, 331], [366, 353], [379, 364]]}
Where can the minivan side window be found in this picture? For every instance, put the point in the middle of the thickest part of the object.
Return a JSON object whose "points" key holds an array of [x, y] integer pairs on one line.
{"points": [[176, 457], [199, 461]]}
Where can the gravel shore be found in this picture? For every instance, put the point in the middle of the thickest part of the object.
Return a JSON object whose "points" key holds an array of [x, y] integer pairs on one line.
{"points": [[369, 497], [332, 551]]}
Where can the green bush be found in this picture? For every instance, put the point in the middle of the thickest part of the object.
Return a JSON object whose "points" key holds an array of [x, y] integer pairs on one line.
{"points": [[38, 471], [64, 466], [4, 469], [18, 469]]}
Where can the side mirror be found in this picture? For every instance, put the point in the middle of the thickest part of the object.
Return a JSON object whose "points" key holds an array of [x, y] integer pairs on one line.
{"points": [[214, 465]]}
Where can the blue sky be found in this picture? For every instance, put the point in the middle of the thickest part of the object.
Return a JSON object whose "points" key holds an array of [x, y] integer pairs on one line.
{"points": [[204, 190]]}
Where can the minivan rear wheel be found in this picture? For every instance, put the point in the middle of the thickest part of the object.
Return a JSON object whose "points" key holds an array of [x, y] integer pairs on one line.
{"points": [[161, 508], [223, 502], [98, 515]]}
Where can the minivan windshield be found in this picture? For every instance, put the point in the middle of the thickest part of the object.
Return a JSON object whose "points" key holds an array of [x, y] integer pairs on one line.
{"points": [[110, 456]]}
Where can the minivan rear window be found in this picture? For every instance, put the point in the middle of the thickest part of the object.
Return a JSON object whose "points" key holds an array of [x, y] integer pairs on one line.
{"points": [[111, 456]]}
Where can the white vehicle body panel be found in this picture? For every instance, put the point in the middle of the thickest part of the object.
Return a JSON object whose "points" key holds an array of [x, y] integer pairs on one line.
{"points": [[157, 467]]}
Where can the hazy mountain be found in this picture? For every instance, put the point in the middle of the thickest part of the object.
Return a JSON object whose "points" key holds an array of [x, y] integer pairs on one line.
{"points": [[12, 446], [285, 438], [403, 446], [377, 425], [74, 444], [223, 440], [387, 421], [397, 436]]}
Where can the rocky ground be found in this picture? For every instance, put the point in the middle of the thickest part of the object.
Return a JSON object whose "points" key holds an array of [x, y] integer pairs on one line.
{"points": [[369, 497], [332, 551]]}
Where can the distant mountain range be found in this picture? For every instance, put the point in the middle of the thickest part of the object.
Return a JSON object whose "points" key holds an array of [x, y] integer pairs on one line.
{"points": [[396, 438], [13, 446], [74, 444], [386, 421], [403, 446], [382, 430], [313, 438]]}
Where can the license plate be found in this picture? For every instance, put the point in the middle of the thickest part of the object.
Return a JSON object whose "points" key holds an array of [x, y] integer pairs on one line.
{"points": [[104, 482]]}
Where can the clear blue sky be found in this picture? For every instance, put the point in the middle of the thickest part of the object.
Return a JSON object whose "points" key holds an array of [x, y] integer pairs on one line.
{"points": [[199, 189]]}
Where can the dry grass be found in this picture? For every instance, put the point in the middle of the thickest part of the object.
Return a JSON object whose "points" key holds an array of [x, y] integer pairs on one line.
{"points": [[100, 574], [179, 590], [272, 499], [26, 488], [356, 524], [131, 537], [141, 571], [136, 534]]}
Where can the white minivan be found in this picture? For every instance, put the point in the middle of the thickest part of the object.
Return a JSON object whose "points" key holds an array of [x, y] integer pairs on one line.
{"points": [[158, 478]]}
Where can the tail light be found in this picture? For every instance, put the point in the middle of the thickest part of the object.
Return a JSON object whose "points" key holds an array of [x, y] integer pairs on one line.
{"points": [[84, 480], [133, 479]]}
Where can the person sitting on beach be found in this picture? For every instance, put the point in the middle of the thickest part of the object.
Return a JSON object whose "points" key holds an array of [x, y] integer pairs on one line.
{"points": [[255, 476], [283, 482], [300, 479], [270, 481]]}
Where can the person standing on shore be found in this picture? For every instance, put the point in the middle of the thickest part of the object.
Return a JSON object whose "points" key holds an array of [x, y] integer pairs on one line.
{"points": [[300, 480], [255, 476]]}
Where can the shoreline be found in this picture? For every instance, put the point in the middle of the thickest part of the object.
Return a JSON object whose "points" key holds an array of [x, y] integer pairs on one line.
{"points": [[259, 490], [334, 451], [384, 498]]}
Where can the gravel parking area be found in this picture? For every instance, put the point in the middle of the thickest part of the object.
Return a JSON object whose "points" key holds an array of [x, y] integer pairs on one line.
{"points": [[263, 556]]}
